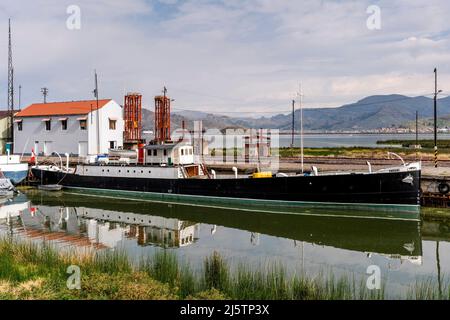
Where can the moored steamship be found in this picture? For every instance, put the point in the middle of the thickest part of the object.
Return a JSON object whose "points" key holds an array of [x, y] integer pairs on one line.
{"points": [[394, 192], [168, 172]]}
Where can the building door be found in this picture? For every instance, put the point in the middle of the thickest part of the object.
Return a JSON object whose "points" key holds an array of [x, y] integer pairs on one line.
{"points": [[82, 148], [48, 148], [36, 147]]}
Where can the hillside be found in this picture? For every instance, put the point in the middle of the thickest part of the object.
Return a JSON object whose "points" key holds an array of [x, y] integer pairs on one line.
{"points": [[369, 113]]}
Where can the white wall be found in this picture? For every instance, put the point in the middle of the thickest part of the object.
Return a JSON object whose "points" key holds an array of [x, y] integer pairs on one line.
{"points": [[34, 134], [111, 110], [62, 141]]}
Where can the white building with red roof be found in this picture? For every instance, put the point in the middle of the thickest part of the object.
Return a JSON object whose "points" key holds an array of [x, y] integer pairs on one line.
{"points": [[74, 127]]}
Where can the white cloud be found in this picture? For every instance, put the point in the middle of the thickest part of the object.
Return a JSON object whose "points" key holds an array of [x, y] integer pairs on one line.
{"points": [[230, 54]]}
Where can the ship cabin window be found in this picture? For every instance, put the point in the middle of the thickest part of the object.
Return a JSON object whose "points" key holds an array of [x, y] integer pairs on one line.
{"points": [[190, 152], [149, 152], [155, 152], [83, 124], [182, 152]]}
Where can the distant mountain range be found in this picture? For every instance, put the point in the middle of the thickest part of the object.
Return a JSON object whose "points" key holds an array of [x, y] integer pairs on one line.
{"points": [[372, 112]]}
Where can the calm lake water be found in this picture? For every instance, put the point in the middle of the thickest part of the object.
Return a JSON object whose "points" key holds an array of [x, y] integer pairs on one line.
{"points": [[350, 140], [405, 251], [328, 140]]}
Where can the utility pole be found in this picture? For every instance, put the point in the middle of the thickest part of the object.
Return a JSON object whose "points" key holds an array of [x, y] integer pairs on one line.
{"points": [[20, 94], [44, 93], [10, 88], [97, 113], [435, 119], [417, 132], [293, 123], [300, 97]]}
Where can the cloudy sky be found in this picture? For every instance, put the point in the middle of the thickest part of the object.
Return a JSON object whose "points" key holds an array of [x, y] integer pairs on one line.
{"points": [[238, 57]]}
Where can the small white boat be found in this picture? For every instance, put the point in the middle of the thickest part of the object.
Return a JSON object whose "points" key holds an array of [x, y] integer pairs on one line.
{"points": [[7, 189], [50, 187], [6, 193], [13, 169]]}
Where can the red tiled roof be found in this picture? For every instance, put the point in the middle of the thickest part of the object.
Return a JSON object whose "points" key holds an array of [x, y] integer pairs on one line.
{"points": [[5, 113], [61, 108]]}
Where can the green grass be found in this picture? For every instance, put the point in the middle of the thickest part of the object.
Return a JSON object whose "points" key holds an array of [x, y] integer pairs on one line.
{"points": [[38, 271], [427, 144], [351, 152]]}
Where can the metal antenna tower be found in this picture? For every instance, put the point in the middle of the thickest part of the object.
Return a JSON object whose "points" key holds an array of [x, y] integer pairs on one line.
{"points": [[10, 86], [44, 93]]}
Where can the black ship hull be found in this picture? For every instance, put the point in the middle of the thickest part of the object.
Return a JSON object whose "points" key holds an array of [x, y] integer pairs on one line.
{"points": [[396, 192]]}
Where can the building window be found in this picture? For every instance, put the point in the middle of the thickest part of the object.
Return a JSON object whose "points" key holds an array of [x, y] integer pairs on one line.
{"points": [[112, 144], [64, 124], [19, 126], [112, 124], [182, 152], [48, 125], [165, 152], [83, 124], [149, 152]]}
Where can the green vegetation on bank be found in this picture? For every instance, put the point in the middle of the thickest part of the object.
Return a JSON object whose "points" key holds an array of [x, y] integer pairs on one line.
{"points": [[350, 152], [426, 144], [37, 271]]}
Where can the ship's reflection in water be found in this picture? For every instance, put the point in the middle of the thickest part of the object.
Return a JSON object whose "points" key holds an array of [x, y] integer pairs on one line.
{"points": [[93, 227], [299, 241]]}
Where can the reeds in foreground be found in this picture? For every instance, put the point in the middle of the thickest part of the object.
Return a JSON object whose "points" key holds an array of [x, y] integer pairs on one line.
{"points": [[30, 270]]}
